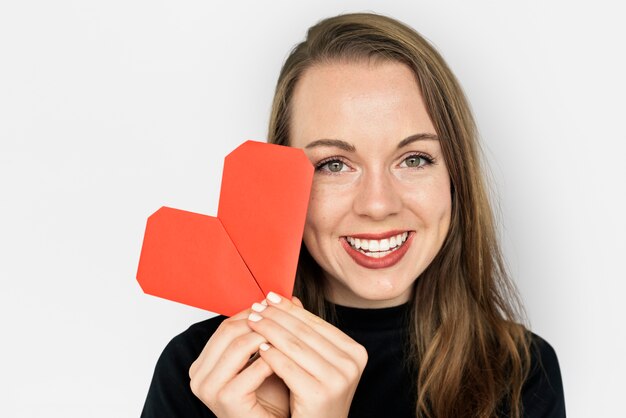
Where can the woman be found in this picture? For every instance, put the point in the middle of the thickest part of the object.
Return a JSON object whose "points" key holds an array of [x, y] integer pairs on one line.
{"points": [[403, 304]]}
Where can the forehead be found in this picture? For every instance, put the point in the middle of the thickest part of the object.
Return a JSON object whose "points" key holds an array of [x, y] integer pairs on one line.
{"points": [[359, 100]]}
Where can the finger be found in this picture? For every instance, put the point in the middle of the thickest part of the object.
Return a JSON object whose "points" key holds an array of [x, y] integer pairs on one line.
{"points": [[221, 338], [299, 381], [297, 302], [228, 330], [240, 315], [299, 332], [241, 389], [233, 359], [330, 332], [295, 346]]}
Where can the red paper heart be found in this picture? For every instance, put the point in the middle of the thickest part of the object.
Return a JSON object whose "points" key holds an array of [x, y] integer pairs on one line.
{"points": [[225, 264]]}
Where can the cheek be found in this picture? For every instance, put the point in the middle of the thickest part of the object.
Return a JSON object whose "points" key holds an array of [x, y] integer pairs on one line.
{"points": [[445, 215], [319, 223], [315, 209], [327, 205], [318, 220], [441, 209], [438, 199], [431, 201]]}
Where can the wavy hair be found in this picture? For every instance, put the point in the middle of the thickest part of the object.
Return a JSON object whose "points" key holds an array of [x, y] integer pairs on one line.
{"points": [[469, 350]]}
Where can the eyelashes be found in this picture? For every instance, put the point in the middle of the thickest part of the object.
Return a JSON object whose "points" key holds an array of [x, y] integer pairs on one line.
{"points": [[418, 158], [332, 165], [337, 164]]}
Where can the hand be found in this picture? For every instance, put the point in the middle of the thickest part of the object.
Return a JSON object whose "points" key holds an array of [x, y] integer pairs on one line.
{"points": [[228, 383], [320, 364]]}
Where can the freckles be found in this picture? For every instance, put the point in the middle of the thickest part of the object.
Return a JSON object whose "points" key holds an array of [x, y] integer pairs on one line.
{"points": [[318, 213], [316, 201], [319, 198]]}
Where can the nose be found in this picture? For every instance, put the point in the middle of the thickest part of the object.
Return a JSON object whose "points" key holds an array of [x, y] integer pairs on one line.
{"points": [[377, 196]]}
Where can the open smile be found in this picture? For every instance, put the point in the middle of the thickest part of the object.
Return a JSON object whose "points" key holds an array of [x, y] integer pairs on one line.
{"points": [[377, 251]]}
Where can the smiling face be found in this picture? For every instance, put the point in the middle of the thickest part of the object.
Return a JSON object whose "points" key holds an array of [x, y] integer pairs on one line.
{"points": [[380, 203]]}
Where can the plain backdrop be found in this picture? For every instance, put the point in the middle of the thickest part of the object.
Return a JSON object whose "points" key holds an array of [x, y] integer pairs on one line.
{"points": [[111, 109]]}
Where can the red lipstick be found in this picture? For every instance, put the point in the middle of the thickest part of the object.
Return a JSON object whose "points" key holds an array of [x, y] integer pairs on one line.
{"points": [[377, 263]]}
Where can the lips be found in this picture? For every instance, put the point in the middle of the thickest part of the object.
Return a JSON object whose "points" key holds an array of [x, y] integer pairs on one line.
{"points": [[377, 251]]}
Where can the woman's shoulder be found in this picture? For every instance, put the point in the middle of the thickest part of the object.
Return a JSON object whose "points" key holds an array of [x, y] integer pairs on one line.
{"points": [[542, 351], [169, 394], [542, 393], [189, 343]]}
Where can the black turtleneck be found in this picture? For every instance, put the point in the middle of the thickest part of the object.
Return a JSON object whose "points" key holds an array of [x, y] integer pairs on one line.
{"points": [[387, 385], [386, 388]]}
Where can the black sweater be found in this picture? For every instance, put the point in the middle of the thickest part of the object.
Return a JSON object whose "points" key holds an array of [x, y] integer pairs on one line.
{"points": [[386, 388]]}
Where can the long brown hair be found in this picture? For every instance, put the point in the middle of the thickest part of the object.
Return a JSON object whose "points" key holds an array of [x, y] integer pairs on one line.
{"points": [[469, 350]]}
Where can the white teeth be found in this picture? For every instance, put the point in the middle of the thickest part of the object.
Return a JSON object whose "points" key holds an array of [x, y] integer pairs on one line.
{"points": [[378, 248], [379, 254]]}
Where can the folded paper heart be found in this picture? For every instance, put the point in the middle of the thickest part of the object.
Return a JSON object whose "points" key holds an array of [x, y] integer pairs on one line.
{"points": [[224, 264]]}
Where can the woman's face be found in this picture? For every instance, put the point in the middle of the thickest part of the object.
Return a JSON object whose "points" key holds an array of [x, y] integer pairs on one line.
{"points": [[380, 202]]}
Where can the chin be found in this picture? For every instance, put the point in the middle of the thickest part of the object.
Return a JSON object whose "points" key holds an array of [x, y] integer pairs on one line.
{"points": [[375, 295]]}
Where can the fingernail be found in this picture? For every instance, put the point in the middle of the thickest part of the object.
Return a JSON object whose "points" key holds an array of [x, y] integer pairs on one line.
{"points": [[264, 347], [257, 307], [254, 317], [273, 297], [264, 302]]}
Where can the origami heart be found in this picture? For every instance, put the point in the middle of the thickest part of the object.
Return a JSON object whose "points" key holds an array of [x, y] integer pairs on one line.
{"points": [[225, 264]]}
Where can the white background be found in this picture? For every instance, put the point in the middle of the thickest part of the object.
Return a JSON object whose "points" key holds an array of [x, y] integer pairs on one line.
{"points": [[111, 109]]}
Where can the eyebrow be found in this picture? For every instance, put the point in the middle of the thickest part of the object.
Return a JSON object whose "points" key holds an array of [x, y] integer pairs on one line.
{"points": [[337, 143], [417, 137], [346, 146]]}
